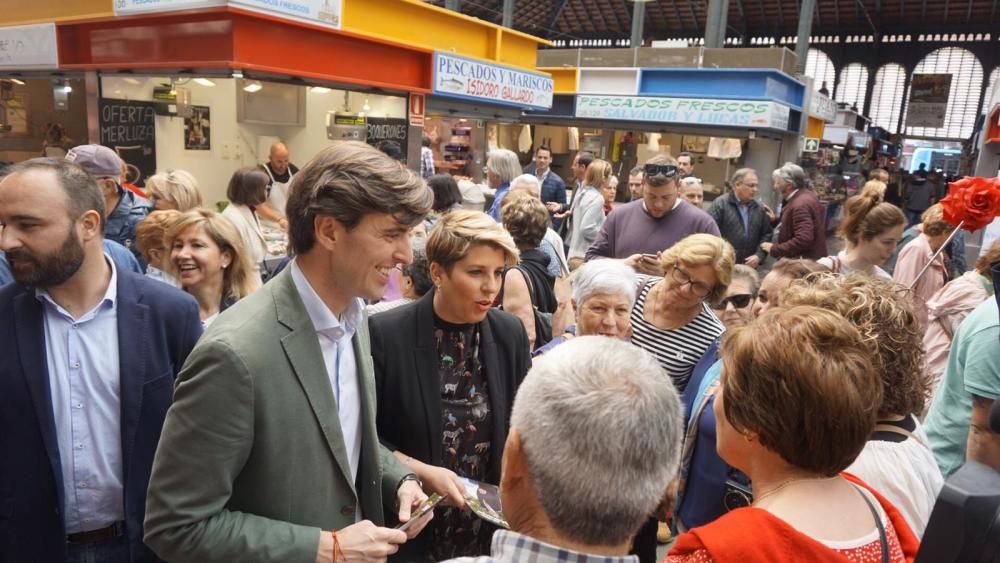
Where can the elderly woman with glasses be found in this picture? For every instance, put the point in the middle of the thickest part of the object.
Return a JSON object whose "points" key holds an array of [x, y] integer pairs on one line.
{"points": [[603, 296], [734, 309]]}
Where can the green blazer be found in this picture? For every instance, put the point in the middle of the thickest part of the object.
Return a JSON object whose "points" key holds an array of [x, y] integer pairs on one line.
{"points": [[251, 465]]}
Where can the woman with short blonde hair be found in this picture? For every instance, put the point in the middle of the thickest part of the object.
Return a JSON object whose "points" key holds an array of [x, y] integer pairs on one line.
{"points": [[210, 261], [446, 370], [174, 189], [934, 231]]}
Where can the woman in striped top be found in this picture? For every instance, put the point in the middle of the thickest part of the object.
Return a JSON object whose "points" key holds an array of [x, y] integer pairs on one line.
{"points": [[671, 318]]}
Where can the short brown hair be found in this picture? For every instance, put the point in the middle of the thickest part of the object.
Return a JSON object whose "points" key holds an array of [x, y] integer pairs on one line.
{"points": [[660, 180], [525, 218], [804, 369], [986, 261], [452, 236], [704, 249], [866, 216], [347, 181], [934, 223], [248, 186], [238, 279], [889, 326], [151, 233]]}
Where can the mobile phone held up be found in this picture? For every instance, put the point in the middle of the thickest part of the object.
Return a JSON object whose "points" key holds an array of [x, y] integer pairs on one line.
{"points": [[426, 507]]}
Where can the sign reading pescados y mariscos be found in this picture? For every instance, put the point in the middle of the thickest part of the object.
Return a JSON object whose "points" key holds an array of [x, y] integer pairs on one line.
{"points": [[694, 111], [460, 77]]}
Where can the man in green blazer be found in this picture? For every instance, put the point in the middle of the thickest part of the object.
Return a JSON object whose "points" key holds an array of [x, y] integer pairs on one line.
{"points": [[271, 443]]}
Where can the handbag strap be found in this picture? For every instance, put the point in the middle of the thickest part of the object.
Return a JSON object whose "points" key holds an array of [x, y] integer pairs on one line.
{"points": [[883, 540]]}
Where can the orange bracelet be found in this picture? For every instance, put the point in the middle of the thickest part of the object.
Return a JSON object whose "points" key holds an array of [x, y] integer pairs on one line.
{"points": [[338, 554]]}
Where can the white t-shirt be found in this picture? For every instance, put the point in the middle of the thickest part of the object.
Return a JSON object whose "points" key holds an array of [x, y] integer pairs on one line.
{"points": [[838, 265]]}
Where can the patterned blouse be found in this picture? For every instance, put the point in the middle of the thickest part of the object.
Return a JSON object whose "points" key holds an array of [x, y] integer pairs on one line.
{"points": [[466, 441]]}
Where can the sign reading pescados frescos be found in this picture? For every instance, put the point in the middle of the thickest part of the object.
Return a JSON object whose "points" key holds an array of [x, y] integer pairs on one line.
{"points": [[724, 113], [460, 77]]}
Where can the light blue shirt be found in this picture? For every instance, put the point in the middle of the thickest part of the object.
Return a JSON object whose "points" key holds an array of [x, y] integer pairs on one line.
{"points": [[335, 337], [744, 209], [84, 379]]}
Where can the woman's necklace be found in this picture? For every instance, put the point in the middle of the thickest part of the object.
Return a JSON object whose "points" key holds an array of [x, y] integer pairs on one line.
{"points": [[787, 483]]}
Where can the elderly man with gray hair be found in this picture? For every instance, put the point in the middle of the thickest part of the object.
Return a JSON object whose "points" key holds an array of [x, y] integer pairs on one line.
{"points": [[594, 442], [552, 244], [802, 218]]}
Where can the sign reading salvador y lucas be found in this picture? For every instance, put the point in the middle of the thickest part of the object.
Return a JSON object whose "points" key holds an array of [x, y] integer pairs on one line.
{"points": [[460, 77], [694, 111]]}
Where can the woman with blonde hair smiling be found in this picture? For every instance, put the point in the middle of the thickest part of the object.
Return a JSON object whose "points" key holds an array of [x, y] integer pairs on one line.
{"points": [[174, 189], [896, 460], [210, 262], [446, 371]]}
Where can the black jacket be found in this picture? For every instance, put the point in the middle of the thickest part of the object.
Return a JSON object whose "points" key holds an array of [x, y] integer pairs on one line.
{"points": [[408, 385], [725, 211]]}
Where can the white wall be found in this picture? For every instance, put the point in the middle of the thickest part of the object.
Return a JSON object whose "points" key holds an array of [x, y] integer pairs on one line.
{"points": [[235, 145]]}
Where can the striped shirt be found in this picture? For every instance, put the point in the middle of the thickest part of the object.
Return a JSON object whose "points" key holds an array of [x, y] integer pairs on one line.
{"points": [[679, 349]]}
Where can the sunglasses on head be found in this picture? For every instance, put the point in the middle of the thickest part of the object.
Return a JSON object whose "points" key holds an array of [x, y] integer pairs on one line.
{"points": [[668, 170], [739, 301]]}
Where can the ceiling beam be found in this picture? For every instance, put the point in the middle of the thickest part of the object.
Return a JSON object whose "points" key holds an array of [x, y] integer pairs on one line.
{"points": [[816, 15], [968, 13], [781, 15], [743, 19], [923, 12], [556, 14], [947, 4], [694, 16]]}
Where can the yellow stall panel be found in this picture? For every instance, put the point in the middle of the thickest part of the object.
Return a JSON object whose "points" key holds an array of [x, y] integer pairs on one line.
{"points": [[416, 23], [20, 12]]}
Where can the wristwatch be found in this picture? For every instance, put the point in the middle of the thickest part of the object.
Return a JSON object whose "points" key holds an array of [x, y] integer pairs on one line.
{"points": [[410, 477]]}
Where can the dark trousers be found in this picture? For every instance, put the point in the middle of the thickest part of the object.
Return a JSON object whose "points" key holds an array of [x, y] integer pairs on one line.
{"points": [[114, 550], [644, 544]]}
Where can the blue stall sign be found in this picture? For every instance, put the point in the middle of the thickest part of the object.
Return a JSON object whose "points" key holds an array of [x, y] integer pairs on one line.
{"points": [[470, 79], [755, 114]]}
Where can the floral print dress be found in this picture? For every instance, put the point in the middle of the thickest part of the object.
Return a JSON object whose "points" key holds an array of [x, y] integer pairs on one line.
{"points": [[467, 436]]}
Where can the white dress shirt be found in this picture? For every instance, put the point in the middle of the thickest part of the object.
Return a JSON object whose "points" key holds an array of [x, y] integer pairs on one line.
{"points": [[335, 340], [85, 389]]}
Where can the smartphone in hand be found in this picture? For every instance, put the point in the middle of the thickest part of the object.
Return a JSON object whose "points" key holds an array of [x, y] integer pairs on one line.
{"points": [[424, 508]]}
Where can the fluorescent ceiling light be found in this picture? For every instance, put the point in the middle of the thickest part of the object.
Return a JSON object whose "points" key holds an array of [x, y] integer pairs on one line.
{"points": [[367, 107], [17, 81], [131, 80], [253, 86], [67, 88], [320, 90], [204, 81]]}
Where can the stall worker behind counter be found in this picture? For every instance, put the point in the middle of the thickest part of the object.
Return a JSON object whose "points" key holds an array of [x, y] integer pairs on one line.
{"points": [[280, 170]]}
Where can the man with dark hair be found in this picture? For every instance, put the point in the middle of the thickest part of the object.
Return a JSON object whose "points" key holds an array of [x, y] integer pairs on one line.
{"points": [[685, 162], [553, 187], [560, 211], [86, 375], [125, 209], [638, 231], [635, 183], [392, 150], [271, 442]]}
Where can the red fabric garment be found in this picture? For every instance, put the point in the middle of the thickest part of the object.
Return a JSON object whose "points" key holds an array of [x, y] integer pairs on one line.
{"points": [[135, 190], [803, 227], [753, 535]]}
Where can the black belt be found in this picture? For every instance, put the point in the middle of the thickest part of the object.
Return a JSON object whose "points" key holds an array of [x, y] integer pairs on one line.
{"points": [[113, 531]]}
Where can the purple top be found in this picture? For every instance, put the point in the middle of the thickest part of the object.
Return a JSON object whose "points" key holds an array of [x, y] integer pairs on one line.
{"points": [[629, 230]]}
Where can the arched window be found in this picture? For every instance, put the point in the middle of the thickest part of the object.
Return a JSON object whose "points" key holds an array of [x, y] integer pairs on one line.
{"points": [[853, 86], [820, 67], [989, 89], [887, 96], [963, 98]]}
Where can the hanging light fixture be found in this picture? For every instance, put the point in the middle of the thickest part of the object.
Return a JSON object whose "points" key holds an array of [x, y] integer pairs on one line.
{"points": [[203, 81], [253, 86], [366, 107]]}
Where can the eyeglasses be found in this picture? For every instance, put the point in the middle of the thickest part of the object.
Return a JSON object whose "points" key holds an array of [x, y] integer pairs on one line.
{"points": [[683, 278], [668, 170], [739, 301]]}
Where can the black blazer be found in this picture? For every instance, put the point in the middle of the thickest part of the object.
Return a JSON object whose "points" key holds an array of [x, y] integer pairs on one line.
{"points": [[408, 386], [158, 326]]}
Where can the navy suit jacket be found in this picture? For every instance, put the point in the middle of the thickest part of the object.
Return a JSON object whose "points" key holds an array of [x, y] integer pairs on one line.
{"points": [[158, 326]]}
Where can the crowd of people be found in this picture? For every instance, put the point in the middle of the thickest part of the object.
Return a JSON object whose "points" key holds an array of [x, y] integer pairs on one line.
{"points": [[294, 377]]}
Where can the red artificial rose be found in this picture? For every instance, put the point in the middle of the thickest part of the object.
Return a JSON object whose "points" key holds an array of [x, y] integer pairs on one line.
{"points": [[973, 202]]}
